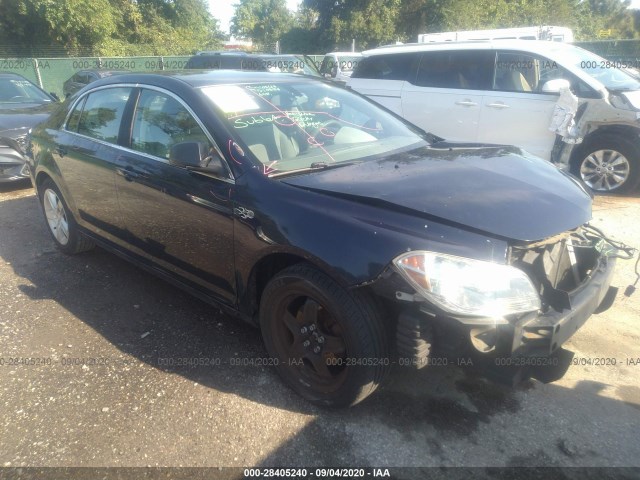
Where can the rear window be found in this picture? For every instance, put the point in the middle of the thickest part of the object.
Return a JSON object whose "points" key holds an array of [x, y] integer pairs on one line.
{"points": [[214, 62], [386, 67], [261, 63], [471, 70]]}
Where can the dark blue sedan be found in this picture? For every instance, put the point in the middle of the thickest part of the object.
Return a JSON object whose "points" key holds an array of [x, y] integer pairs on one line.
{"points": [[354, 240]]}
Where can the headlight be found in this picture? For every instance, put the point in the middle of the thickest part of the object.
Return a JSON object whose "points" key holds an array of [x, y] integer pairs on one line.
{"points": [[622, 102], [468, 287]]}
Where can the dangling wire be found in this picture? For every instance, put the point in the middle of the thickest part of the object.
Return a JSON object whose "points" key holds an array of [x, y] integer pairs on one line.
{"points": [[629, 253]]}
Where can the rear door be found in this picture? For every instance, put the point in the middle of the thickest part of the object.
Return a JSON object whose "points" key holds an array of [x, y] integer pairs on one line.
{"points": [[87, 155], [383, 77], [179, 220], [445, 97]]}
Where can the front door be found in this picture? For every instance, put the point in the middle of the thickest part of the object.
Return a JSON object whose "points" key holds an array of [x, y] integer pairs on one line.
{"points": [[181, 221], [516, 111]]}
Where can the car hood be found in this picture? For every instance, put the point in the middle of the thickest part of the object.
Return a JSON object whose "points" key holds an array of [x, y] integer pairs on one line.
{"points": [[498, 190], [24, 115]]}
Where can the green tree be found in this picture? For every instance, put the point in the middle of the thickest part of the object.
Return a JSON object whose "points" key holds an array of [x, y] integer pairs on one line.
{"points": [[264, 21], [73, 24], [108, 27], [585, 17], [372, 24], [369, 22]]}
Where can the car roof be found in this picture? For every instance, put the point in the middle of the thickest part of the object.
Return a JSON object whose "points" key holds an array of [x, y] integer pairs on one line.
{"points": [[12, 75], [101, 70], [533, 46], [345, 54], [203, 78], [245, 55], [222, 52]]}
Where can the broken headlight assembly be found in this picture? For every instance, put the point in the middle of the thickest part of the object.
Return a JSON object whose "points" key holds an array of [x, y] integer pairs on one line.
{"points": [[464, 286]]}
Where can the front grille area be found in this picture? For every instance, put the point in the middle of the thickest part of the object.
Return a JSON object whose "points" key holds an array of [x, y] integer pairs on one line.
{"points": [[558, 266]]}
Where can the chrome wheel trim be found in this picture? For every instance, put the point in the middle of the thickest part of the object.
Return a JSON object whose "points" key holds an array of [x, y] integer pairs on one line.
{"points": [[56, 216], [605, 170]]}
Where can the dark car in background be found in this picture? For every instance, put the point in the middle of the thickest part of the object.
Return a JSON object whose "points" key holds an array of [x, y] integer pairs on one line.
{"points": [[22, 105], [84, 77], [300, 64], [351, 238]]}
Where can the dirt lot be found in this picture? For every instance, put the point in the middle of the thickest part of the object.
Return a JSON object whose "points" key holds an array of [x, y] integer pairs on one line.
{"points": [[109, 388]]}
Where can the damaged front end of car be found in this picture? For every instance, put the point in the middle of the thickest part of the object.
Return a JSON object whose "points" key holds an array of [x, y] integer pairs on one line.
{"points": [[508, 321], [12, 162]]}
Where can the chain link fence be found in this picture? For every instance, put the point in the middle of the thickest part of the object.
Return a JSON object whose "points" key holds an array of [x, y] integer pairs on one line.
{"points": [[616, 50], [51, 73]]}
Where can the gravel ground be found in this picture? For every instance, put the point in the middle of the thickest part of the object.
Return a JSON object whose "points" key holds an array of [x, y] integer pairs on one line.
{"points": [[131, 403]]}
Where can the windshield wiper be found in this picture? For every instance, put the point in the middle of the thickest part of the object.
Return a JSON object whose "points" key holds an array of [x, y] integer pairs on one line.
{"points": [[314, 166]]}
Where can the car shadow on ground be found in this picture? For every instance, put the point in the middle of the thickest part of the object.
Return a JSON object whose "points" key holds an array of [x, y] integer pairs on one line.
{"points": [[149, 320], [15, 186]]}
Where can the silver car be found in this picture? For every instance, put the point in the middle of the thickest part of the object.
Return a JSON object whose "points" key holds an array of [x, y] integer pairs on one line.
{"points": [[22, 106]]}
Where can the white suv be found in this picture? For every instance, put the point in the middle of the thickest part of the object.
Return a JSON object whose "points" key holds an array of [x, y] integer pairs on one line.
{"points": [[505, 92]]}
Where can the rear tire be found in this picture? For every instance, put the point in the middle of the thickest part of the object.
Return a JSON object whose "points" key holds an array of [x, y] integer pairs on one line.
{"points": [[328, 344], [60, 222], [608, 164]]}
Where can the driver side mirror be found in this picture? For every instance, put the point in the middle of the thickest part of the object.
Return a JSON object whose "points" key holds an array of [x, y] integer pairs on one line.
{"points": [[198, 157], [556, 85]]}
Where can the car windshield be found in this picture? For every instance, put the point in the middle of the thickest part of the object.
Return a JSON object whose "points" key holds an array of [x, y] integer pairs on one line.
{"points": [[291, 126], [21, 90], [605, 71]]}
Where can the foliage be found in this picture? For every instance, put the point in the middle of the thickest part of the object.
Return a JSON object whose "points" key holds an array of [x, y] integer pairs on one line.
{"points": [[265, 21], [108, 27], [378, 22], [174, 27]]}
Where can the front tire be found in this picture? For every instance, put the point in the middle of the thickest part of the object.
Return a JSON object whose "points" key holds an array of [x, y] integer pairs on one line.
{"points": [[608, 164], [329, 345], [60, 222]]}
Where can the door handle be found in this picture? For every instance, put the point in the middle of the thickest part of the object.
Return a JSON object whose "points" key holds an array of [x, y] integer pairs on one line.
{"points": [[467, 103], [129, 174], [498, 105]]}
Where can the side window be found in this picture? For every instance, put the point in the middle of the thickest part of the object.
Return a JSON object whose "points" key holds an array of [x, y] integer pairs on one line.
{"points": [[517, 72], [160, 122], [521, 72], [471, 70], [74, 118], [386, 67], [102, 113]]}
